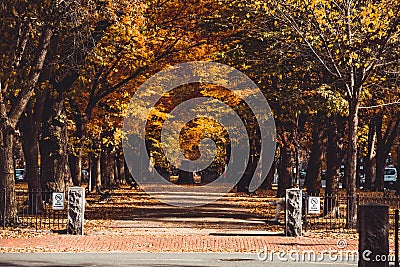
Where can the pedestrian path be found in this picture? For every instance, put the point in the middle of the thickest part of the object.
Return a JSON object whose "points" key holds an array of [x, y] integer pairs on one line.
{"points": [[228, 225], [170, 243]]}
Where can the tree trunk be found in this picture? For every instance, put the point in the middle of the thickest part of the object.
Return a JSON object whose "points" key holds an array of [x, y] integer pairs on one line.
{"points": [[358, 171], [267, 183], [332, 167], [30, 126], [244, 182], [55, 173], [75, 156], [313, 175], [30, 143], [8, 203], [75, 165], [370, 158], [384, 143], [116, 174], [380, 155], [285, 167], [96, 170], [120, 167], [127, 173], [9, 117], [107, 166], [352, 164]]}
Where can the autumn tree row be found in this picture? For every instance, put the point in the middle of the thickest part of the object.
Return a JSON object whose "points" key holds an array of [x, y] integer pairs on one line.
{"points": [[69, 69]]}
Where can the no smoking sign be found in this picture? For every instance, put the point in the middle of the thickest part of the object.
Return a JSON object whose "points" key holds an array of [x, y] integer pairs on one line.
{"points": [[58, 200], [314, 205]]}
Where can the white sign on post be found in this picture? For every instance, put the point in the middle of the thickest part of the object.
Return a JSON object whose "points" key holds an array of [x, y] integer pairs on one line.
{"points": [[314, 205], [58, 200]]}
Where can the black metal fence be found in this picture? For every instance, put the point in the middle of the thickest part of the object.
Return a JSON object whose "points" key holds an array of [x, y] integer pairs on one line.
{"points": [[334, 208], [35, 210]]}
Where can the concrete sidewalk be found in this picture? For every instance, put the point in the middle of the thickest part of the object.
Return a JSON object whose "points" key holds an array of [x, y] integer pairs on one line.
{"points": [[164, 260]]}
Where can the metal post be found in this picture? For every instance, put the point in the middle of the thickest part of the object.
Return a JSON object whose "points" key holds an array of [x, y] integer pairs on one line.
{"points": [[306, 213], [396, 238], [36, 214], [90, 175], [4, 209]]}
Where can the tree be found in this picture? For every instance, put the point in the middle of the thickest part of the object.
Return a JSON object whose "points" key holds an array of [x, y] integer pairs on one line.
{"points": [[351, 41], [31, 56], [384, 144], [146, 39], [19, 76], [314, 166]]}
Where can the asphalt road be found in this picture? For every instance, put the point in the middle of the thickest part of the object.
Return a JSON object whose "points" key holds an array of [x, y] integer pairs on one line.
{"points": [[156, 260]]}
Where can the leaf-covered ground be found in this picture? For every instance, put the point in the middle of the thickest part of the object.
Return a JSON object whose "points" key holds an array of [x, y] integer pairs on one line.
{"points": [[133, 212]]}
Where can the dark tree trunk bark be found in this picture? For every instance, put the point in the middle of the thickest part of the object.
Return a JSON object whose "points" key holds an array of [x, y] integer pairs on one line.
{"points": [[370, 158], [30, 126], [332, 167], [285, 166], [116, 181], [107, 166], [352, 164], [380, 155], [267, 183], [127, 173], [244, 182], [120, 167], [358, 172], [75, 156], [30, 143], [95, 170], [10, 116], [8, 203], [55, 172], [384, 143], [75, 165], [313, 175]]}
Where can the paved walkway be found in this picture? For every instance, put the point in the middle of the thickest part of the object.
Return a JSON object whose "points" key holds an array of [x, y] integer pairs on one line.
{"points": [[170, 243], [223, 226]]}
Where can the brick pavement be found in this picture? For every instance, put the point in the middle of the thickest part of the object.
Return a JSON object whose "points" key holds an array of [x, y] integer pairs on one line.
{"points": [[167, 243], [160, 228]]}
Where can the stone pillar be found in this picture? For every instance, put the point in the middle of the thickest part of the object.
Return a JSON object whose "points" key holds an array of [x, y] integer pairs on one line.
{"points": [[293, 221], [76, 210], [373, 230]]}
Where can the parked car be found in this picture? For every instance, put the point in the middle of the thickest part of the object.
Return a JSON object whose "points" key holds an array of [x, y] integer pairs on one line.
{"points": [[323, 179], [390, 177], [85, 175], [302, 174], [19, 175]]}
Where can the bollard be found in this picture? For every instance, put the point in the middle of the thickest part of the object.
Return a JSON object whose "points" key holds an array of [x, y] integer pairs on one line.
{"points": [[293, 224], [4, 208], [396, 238], [373, 228], [76, 210]]}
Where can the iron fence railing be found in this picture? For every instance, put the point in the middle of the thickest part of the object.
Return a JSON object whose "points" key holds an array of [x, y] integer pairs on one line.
{"points": [[334, 209], [34, 210]]}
